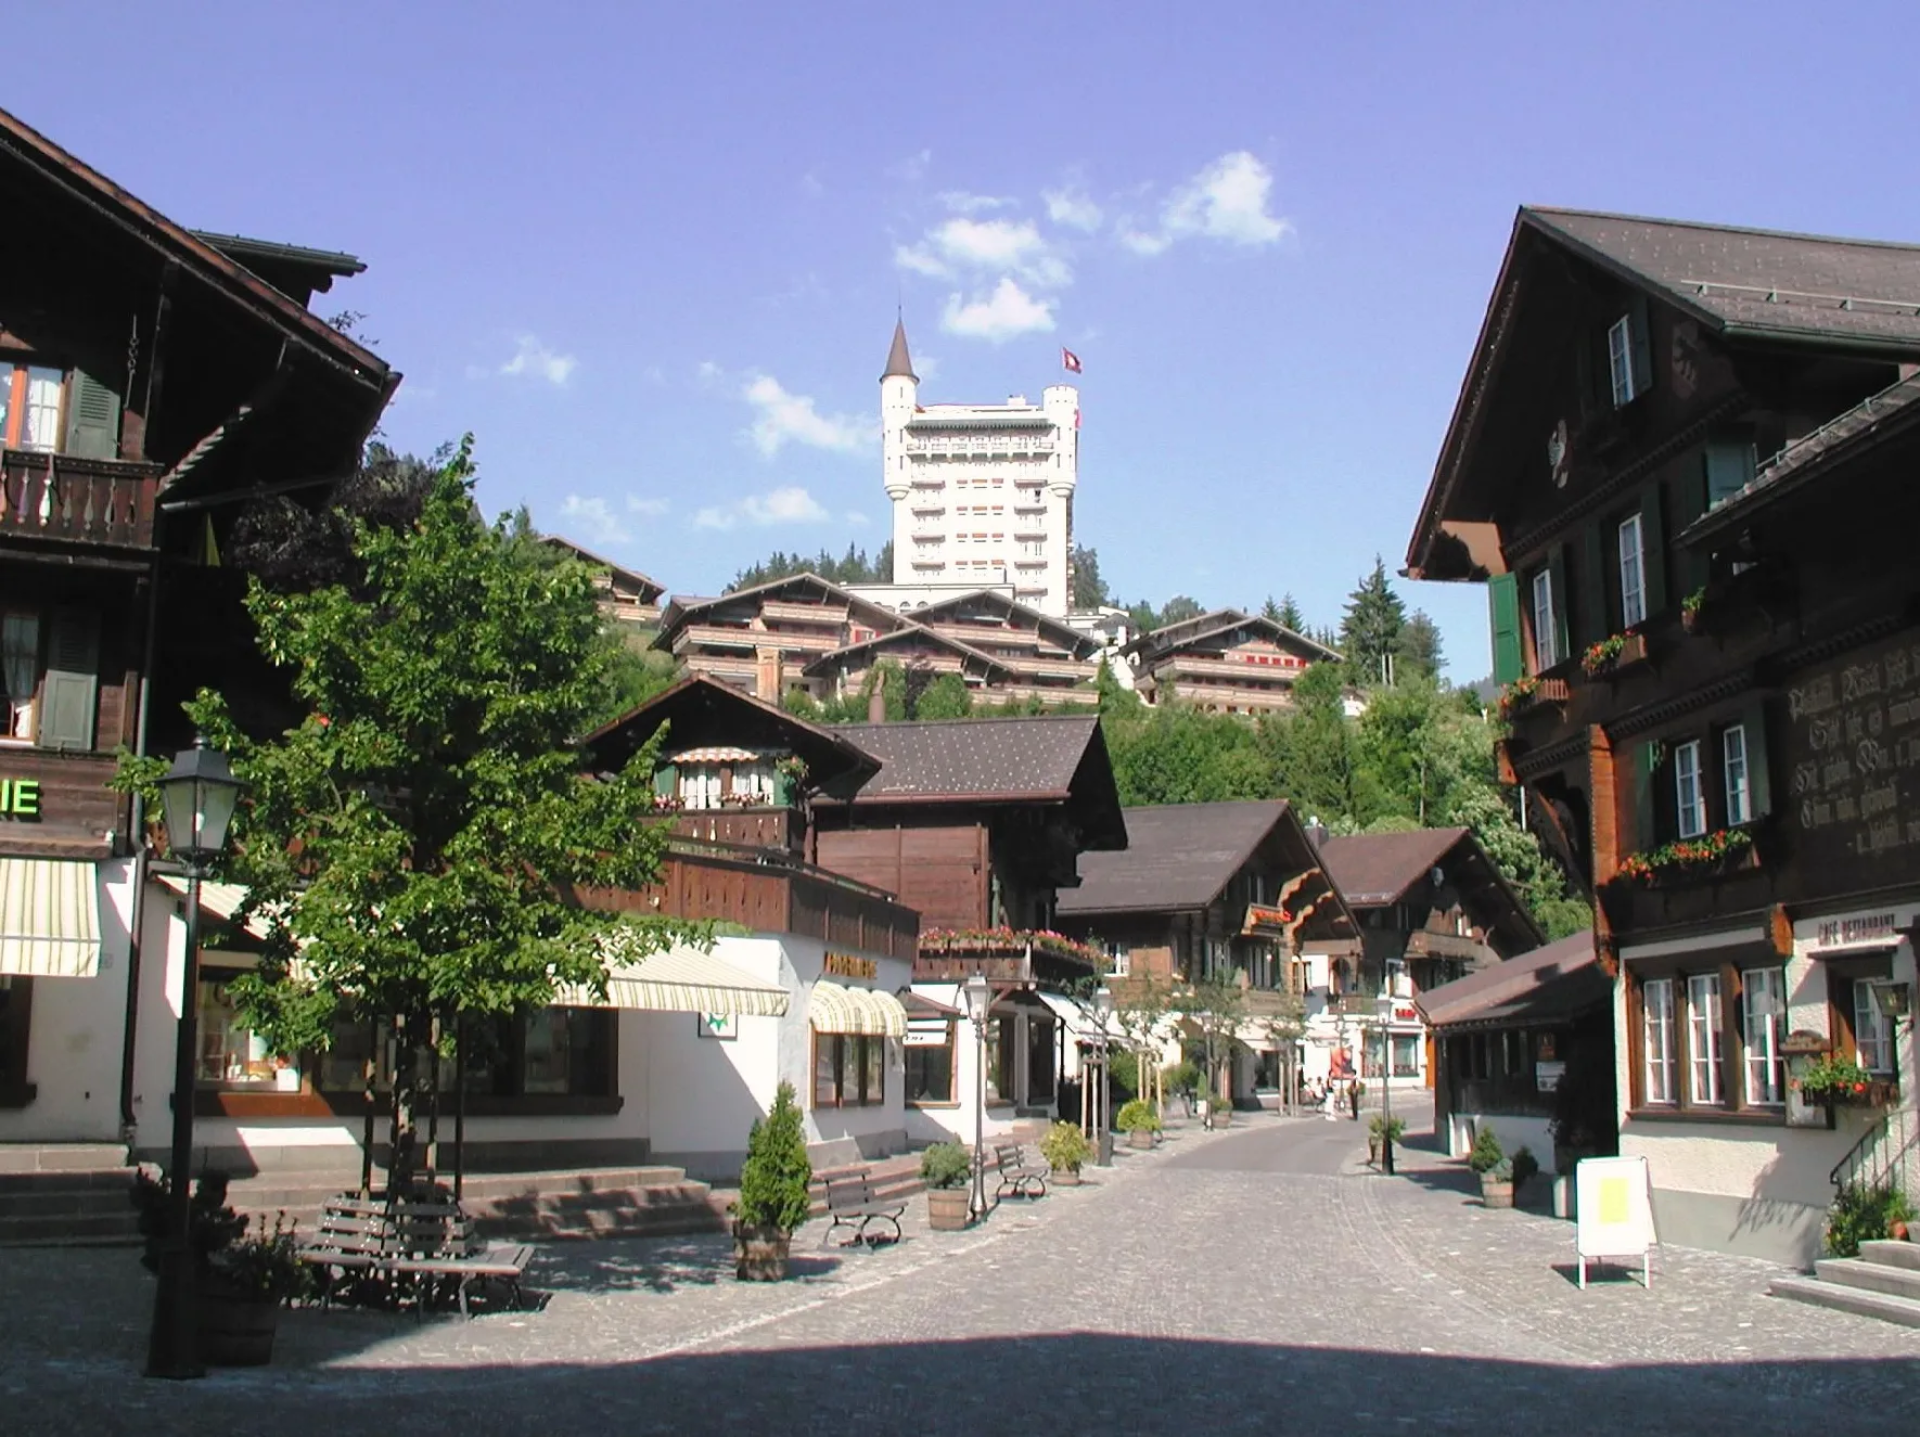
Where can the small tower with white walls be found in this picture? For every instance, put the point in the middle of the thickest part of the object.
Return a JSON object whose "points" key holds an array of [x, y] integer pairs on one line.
{"points": [[899, 394]]}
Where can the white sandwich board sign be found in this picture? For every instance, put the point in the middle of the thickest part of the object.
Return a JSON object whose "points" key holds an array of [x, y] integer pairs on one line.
{"points": [[1615, 1207]]}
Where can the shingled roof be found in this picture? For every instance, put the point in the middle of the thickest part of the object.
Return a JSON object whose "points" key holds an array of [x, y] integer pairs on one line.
{"points": [[1548, 985], [1054, 758], [1178, 855], [1758, 282], [1372, 870]]}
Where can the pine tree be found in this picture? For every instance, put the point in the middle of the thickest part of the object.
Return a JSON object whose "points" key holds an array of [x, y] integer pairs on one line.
{"points": [[1290, 616], [1089, 589], [1370, 631], [1270, 611], [1418, 655]]}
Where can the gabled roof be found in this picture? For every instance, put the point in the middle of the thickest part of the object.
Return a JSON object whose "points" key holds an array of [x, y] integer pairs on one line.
{"points": [[1080, 645], [294, 270], [1560, 981], [913, 633], [1373, 870], [1222, 621], [1051, 759], [684, 610], [704, 712], [899, 363], [649, 590]]}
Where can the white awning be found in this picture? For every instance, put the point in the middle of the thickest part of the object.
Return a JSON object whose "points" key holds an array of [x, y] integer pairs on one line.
{"points": [[834, 1009], [222, 900], [682, 980], [49, 918], [1079, 1021]]}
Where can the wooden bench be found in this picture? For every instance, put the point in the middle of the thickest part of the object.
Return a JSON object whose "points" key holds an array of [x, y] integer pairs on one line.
{"points": [[851, 1203], [1017, 1176], [418, 1247]]}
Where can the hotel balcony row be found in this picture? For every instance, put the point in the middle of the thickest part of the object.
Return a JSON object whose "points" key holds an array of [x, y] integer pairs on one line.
{"points": [[1215, 696], [982, 445], [1235, 671], [747, 641]]}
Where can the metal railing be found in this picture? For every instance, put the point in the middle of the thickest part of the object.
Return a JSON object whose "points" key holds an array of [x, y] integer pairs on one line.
{"points": [[1888, 1153]]}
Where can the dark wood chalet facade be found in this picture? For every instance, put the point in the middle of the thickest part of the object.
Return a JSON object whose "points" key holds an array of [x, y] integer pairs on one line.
{"points": [[1682, 464], [150, 378], [1223, 662]]}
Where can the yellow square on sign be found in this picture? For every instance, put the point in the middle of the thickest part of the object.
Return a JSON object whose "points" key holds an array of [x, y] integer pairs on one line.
{"points": [[1613, 1201]]}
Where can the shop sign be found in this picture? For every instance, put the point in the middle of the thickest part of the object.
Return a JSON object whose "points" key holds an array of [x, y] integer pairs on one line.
{"points": [[1856, 930], [1407, 1014], [1262, 919], [20, 797], [1547, 1076], [851, 965], [725, 1026]]}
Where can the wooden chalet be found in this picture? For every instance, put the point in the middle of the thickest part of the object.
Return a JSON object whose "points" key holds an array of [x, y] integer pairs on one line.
{"points": [[1431, 907], [762, 638], [150, 378], [1680, 463], [1213, 891], [627, 596], [1223, 662]]}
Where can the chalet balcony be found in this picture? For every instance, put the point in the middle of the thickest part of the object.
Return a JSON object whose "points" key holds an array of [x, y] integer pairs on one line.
{"points": [[766, 891], [767, 827], [1424, 944], [777, 611], [746, 641], [1004, 955], [77, 501], [1237, 671]]}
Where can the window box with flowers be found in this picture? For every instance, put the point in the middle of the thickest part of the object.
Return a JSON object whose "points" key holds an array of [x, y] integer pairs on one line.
{"points": [[1613, 653], [1724, 850], [1530, 691], [1008, 942], [1837, 1078]]}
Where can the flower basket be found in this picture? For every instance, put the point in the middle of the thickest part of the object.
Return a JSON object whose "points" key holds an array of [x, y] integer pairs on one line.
{"points": [[1711, 854], [1615, 652]]}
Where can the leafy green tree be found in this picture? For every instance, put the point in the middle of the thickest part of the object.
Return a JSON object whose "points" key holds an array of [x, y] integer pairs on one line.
{"points": [[1089, 589], [947, 697], [1370, 630], [415, 841], [1179, 609], [1319, 757], [1215, 1006]]}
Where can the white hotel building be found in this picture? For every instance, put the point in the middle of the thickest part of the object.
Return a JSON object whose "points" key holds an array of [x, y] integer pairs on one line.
{"points": [[982, 493]]}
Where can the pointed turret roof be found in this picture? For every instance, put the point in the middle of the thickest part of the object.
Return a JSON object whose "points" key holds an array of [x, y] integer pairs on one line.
{"points": [[899, 364]]}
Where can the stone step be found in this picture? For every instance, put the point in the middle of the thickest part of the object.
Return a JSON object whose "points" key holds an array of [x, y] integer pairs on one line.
{"points": [[61, 1157], [1869, 1276], [1890, 1253], [68, 1229], [55, 1180], [49, 1206], [1902, 1310], [53, 1202], [683, 1219]]}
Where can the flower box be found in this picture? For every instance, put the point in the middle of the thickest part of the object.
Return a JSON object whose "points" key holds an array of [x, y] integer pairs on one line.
{"points": [[1616, 652]]}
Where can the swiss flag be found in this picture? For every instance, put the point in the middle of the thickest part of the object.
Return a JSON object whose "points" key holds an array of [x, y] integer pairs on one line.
{"points": [[1069, 361]]}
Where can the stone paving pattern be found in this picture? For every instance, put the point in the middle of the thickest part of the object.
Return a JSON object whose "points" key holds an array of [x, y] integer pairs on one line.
{"points": [[1260, 1279]]}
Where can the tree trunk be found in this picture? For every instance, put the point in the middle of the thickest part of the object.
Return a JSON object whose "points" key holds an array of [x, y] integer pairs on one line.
{"points": [[404, 1159]]}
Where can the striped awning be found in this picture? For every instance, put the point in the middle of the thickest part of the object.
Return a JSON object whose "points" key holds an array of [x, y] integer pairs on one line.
{"points": [[714, 753], [834, 1009], [222, 900], [683, 980], [49, 918]]}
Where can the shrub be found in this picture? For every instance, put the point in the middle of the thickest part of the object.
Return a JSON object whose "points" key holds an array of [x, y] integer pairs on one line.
{"points": [[1393, 1129], [1525, 1165], [1182, 1077], [1864, 1214], [1065, 1147], [1487, 1153], [773, 1182], [1138, 1116], [211, 1224], [266, 1264], [946, 1165]]}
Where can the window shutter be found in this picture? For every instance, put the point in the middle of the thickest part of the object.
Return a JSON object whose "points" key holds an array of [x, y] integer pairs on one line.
{"points": [[1641, 340], [93, 419], [666, 781], [1653, 552], [1690, 566], [1644, 823], [1759, 784], [1591, 572], [1557, 567], [1503, 604], [1729, 468], [73, 680]]}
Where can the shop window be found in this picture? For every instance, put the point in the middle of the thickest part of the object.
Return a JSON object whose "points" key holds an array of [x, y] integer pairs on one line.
{"points": [[1763, 1000], [549, 1052], [1406, 1055], [1703, 1039], [1657, 1041], [849, 1070], [16, 1004], [929, 1076], [1710, 1038], [231, 1056]]}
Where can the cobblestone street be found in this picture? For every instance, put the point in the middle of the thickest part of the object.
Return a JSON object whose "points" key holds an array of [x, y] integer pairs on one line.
{"points": [[1257, 1280]]}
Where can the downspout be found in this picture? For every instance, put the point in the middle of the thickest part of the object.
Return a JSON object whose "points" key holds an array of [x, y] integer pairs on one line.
{"points": [[137, 836]]}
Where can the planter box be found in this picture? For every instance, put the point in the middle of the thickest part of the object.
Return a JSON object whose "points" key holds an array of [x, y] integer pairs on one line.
{"points": [[947, 1208]]}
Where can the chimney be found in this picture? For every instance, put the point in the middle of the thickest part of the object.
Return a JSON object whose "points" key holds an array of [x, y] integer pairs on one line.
{"points": [[877, 700], [1316, 833], [766, 674]]}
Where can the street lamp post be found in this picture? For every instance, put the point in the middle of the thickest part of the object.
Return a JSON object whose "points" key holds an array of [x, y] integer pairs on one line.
{"points": [[979, 996], [1385, 1009], [1103, 1095], [198, 796]]}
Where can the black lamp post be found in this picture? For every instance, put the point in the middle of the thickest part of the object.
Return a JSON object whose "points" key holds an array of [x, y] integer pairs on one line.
{"points": [[198, 795]]}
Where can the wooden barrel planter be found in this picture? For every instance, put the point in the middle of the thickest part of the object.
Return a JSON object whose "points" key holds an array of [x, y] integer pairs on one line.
{"points": [[236, 1329], [760, 1253], [947, 1208]]}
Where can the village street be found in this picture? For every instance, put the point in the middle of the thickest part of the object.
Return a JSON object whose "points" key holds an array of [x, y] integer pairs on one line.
{"points": [[1261, 1279]]}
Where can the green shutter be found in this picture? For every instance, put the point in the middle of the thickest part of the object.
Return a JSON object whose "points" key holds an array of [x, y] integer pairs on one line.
{"points": [[666, 781], [1640, 344], [1690, 565], [1503, 604], [1590, 575], [1759, 783], [1653, 552], [1645, 824], [93, 418], [73, 680], [1729, 468], [1557, 569]]}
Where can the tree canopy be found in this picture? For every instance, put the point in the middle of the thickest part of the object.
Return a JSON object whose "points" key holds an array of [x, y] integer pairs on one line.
{"points": [[852, 567]]}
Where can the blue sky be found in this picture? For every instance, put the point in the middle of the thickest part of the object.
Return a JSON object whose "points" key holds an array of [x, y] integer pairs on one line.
{"points": [[650, 254]]}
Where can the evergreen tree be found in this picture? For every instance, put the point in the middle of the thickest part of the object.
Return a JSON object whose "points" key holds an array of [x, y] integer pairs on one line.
{"points": [[1290, 616], [1270, 611], [1089, 589], [1370, 630], [1418, 654], [1179, 609]]}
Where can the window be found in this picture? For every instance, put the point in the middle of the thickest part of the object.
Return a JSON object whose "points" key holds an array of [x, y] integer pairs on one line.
{"points": [[1656, 998], [1633, 587], [1688, 805], [16, 1009], [20, 672], [849, 1070], [1871, 1041], [1122, 958], [1763, 1001], [230, 1054], [1703, 1038], [1733, 767], [549, 1052], [1620, 361], [30, 406], [1544, 625], [929, 1077]]}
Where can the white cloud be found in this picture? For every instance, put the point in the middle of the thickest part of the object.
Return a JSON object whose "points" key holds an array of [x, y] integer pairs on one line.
{"points": [[597, 515], [784, 417], [652, 508], [963, 203], [920, 260], [1007, 312], [913, 167], [536, 360], [856, 518], [791, 505], [1226, 201], [1072, 207], [961, 245], [708, 371]]}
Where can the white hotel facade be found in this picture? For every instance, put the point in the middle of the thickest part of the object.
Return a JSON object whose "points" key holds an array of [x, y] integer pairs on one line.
{"points": [[982, 493]]}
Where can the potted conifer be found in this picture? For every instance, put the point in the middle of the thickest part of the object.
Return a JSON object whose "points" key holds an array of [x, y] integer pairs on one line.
{"points": [[1066, 1149], [774, 1197], [1139, 1121], [1490, 1161]]}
